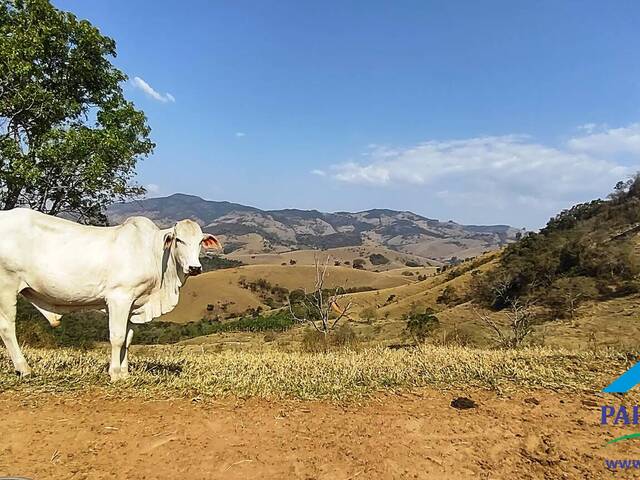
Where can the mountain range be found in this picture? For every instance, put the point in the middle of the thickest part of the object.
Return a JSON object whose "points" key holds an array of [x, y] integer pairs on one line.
{"points": [[250, 230]]}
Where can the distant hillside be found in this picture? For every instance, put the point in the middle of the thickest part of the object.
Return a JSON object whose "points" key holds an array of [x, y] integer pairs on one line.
{"points": [[250, 230], [590, 251]]}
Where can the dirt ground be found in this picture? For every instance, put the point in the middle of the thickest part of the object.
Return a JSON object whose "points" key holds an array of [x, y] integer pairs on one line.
{"points": [[536, 434]]}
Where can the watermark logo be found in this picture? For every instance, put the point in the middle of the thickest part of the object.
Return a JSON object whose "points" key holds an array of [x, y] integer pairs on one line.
{"points": [[621, 415], [624, 382]]}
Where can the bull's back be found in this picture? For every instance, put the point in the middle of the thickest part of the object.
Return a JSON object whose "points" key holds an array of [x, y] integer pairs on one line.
{"points": [[60, 258]]}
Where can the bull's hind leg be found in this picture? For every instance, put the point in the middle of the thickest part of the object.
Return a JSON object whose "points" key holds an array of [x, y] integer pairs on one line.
{"points": [[8, 299]]}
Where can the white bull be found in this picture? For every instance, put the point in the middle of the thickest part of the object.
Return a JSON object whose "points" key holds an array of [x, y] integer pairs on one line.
{"points": [[133, 270]]}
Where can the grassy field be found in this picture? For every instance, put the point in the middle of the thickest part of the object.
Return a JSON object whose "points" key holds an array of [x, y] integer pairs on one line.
{"points": [[222, 287], [160, 372], [397, 260]]}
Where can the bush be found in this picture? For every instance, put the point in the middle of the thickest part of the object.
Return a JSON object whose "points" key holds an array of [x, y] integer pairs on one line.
{"points": [[344, 337], [314, 341], [449, 296], [566, 294], [84, 330], [369, 314], [378, 259], [412, 263], [216, 262], [420, 325], [358, 264]]}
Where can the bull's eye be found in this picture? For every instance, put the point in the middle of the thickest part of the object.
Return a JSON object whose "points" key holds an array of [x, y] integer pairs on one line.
{"points": [[180, 241]]}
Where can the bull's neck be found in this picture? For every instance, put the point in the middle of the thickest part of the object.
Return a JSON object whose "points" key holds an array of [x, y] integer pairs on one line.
{"points": [[169, 265]]}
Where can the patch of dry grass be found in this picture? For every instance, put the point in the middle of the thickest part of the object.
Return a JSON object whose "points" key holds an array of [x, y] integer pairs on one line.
{"points": [[174, 371]]}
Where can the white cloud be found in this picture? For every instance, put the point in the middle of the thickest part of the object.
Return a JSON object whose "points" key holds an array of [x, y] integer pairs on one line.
{"points": [[151, 92], [588, 127], [611, 141], [500, 172], [320, 173], [240, 134], [152, 188]]}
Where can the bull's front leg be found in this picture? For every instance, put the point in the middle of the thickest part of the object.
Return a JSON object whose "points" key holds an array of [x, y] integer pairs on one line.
{"points": [[124, 366], [119, 311]]}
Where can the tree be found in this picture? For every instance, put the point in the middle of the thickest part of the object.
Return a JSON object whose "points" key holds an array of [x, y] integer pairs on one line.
{"points": [[378, 259], [69, 140], [369, 314], [419, 325], [566, 294], [449, 296], [320, 308], [358, 264], [519, 316]]}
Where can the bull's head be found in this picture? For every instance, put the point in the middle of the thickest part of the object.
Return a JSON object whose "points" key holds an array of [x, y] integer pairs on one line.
{"points": [[187, 239]]}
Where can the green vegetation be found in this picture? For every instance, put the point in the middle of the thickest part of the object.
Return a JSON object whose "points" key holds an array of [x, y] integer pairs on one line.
{"points": [[70, 141], [167, 332], [420, 325], [84, 330], [378, 259], [590, 243], [216, 262], [567, 293], [273, 295], [358, 263]]}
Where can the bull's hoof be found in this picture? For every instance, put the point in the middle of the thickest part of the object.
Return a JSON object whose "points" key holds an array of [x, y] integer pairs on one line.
{"points": [[55, 323], [22, 373], [116, 376]]}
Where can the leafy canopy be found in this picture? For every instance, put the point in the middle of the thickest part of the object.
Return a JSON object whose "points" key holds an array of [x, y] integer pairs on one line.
{"points": [[69, 140]]}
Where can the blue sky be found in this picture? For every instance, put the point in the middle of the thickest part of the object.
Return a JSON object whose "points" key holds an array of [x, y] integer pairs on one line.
{"points": [[480, 112]]}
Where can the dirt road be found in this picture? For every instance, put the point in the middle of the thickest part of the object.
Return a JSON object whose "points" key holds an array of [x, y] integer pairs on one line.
{"points": [[528, 435]]}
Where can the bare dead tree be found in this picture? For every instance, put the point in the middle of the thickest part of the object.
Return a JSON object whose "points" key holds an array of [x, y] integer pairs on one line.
{"points": [[519, 317], [317, 308]]}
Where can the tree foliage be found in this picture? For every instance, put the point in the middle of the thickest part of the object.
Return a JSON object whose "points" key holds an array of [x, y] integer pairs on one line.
{"points": [[419, 325], [69, 140]]}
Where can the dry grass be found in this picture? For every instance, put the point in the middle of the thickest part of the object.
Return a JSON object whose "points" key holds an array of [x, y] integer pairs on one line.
{"points": [[223, 286], [175, 371], [340, 254]]}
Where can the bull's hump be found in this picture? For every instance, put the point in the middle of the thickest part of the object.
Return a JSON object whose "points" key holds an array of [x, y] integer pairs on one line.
{"points": [[142, 222]]}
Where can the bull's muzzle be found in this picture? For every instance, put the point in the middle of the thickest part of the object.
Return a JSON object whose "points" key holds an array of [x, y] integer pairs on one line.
{"points": [[195, 270]]}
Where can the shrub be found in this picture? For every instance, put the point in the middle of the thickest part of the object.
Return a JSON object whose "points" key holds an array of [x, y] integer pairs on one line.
{"points": [[449, 296], [216, 262], [378, 259], [369, 314], [358, 264], [314, 341], [566, 294], [344, 337], [420, 325]]}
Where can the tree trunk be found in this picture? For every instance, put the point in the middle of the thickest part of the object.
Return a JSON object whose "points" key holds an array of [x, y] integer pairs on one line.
{"points": [[12, 197]]}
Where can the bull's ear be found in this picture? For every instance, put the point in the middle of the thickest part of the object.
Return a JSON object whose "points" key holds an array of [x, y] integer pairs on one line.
{"points": [[168, 240], [210, 242]]}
